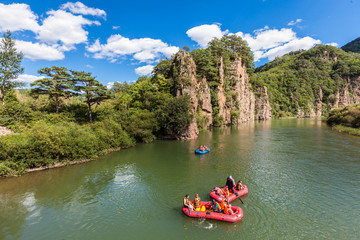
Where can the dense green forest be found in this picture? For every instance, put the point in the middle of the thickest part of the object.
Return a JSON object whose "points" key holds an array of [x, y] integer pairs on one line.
{"points": [[353, 46], [298, 79], [346, 119]]}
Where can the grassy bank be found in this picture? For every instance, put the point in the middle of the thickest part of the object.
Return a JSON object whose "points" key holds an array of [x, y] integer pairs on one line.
{"points": [[346, 119], [348, 130]]}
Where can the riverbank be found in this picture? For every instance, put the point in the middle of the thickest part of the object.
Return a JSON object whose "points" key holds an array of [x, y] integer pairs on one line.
{"points": [[46, 145], [346, 119], [348, 130]]}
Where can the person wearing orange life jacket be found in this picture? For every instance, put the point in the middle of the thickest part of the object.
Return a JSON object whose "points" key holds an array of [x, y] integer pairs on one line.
{"points": [[228, 210], [197, 204], [226, 192], [223, 205]]}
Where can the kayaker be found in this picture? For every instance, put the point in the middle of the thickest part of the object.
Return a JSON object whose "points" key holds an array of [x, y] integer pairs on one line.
{"points": [[215, 206], [187, 203], [230, 183], [239, 185]]}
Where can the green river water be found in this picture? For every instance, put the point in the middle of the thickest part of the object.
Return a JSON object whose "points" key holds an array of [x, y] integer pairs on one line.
{"points": [[303, 180]]}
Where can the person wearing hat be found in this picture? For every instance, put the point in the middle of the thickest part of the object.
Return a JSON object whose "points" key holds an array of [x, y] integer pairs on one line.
{"points": [[230, 183]]}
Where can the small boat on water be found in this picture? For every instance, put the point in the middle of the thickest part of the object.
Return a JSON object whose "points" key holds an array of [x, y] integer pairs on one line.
{"points": [[198, 151], [233, 218], [232, 196]]}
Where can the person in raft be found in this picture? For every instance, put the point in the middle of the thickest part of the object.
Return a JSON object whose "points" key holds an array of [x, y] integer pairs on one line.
{"points": [[228, 210], [239, 185], [219, 191], [226, 192], [230, 183], [197, 204], [187, 203], [215, 206]]}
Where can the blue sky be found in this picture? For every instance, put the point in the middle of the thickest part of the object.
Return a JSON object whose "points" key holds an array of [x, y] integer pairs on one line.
{"points": [[119, 41]]}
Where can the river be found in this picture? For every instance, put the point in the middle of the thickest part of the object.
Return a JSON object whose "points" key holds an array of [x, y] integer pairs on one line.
{"points": [[303, 180]]}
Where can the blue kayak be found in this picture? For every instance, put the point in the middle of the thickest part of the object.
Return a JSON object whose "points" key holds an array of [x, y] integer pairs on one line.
{"points": [[197, 151]]}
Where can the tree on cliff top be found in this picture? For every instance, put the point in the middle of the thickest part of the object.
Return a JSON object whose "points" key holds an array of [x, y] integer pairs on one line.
{"points": [[9, 65], [233, 47], [59, 84], [94, 91]]}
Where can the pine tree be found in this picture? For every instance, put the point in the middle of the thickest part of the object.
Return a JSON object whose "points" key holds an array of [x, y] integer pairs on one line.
{"points": [[9, 65], [59, 84], [93, 91]]}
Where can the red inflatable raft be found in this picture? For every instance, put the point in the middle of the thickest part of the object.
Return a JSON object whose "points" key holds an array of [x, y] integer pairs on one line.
{"points": [[232, 196], [233, 218]]}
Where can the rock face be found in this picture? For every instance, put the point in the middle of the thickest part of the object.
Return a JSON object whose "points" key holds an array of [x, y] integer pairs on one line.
{"points": [[205, 102], [348, 94], [318, 103], [263, 109], [187, 85], [245, 96], [235, 105]]}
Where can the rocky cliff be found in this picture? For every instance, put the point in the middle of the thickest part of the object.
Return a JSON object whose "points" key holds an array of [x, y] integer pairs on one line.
{"points": [[235, 102], [349, 94], [263, 109]]}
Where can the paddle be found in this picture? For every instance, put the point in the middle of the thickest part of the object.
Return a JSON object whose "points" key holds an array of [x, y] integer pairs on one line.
{"points": [[236, 194]]}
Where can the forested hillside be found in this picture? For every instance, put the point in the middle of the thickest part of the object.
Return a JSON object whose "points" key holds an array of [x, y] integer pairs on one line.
{"points": [[353, 46], [310, 83]]}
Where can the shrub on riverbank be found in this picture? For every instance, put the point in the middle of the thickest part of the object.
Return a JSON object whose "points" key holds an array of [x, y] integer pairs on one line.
{"points": [[47, 143], [346, 119]]}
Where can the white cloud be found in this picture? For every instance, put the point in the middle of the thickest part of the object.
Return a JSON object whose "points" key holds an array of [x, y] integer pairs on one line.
{"points": [[142, 49], [271, 43], [268, 38], [264, 42], [144, 70], [39, 51], [296, 44], [89, 66], [59, 32], [64, 27], [26, 78], [110, 85], [203, 34], [144, 56], [169, 51], [115, 27], [334, 44], [17, 17], [80, 8], [291, 23]]}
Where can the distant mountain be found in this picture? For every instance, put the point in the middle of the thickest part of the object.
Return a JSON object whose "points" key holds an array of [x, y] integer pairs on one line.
{"points": [[311, 83], [353, 46]]}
